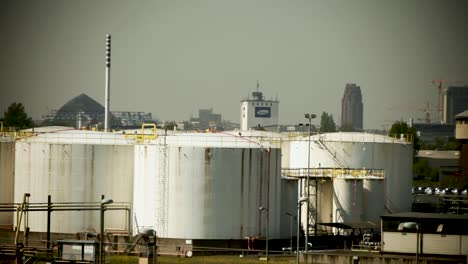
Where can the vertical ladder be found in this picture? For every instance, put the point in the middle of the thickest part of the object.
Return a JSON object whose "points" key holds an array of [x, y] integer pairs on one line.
{"points": [[163, 192]]}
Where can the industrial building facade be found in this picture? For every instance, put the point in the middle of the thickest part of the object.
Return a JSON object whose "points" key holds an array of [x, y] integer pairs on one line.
{"points": [[455, 102], [352, 108], [257, 112]]}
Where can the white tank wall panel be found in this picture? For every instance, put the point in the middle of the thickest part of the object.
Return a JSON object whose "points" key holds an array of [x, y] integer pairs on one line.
{"points": [[145, 186], [285, 155], [319, 157], [325, 202], [289, 199], [347, 200], [373, 200], [74, 173], [7, 165], [212, 193]]}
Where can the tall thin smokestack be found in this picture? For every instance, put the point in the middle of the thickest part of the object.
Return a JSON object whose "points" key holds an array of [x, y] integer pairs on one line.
{"points": [[108, 64]]}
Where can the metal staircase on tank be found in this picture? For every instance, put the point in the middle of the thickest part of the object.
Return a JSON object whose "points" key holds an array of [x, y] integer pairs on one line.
{"points": [[312, 209], [332, 154]]}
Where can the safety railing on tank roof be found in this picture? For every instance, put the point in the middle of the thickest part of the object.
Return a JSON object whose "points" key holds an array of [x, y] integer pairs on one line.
{"points": [[143, 137], [202, 140], [79, 138], [354, 137], [334, 173], [8, 136]]}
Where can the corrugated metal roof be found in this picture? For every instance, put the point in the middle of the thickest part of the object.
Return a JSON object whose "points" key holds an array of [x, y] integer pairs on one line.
{"points": [[462, 114], [417, 215], [438, 154]]}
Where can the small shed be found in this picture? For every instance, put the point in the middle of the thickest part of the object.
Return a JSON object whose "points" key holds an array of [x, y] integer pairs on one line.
{"points": [[425, 233]]}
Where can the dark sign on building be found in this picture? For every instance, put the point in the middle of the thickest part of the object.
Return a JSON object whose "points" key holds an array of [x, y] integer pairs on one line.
{"points": [[262, 112]]}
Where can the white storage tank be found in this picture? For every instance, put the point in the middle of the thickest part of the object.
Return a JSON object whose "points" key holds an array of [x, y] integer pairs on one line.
{"points": [[347, 200], [360, 150], [73, 172], [207, 186]]}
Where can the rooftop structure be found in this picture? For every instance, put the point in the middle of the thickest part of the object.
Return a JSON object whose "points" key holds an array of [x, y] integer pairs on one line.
{"points": [[461, 129], [259, 113], [462, 135], [206, 120]]}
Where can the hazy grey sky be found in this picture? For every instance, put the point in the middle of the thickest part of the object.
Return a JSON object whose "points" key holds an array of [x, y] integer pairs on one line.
{"points": [[171, 58]]}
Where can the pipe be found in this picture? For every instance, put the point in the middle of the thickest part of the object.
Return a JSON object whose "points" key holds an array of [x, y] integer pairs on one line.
{"points": [[49, 211]]}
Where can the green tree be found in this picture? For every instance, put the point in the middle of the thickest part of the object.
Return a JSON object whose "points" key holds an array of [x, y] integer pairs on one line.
{"points": [[401, 128], [16, 117], [327, 124]]}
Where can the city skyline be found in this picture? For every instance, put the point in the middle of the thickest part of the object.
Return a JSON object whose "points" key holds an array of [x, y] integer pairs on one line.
{"points": [[172, 58]]}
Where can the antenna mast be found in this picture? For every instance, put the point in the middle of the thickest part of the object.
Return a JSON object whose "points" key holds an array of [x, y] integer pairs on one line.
{"points": [[107, 95]]}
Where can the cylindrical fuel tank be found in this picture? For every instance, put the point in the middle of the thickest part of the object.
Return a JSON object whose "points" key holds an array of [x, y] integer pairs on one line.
{"points": [[360, 150], [192, 191]]}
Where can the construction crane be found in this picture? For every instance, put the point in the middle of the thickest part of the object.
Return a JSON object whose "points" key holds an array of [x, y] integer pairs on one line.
{"points": [[441, 86], [427, 113]]}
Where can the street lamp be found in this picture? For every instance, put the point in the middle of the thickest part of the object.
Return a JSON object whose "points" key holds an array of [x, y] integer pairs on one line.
{"points": [[291, 216], [104, 202], [148, 233], [299, 203], [261, 208], [310, 117], [412, 226]]}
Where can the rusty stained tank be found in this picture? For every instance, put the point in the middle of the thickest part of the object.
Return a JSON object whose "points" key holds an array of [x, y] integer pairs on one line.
{"points": [[208, 186]]}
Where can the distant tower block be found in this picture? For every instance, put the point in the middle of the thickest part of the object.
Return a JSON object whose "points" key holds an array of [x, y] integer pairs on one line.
{"points": [[256, 112], [455, 102], [351, 107], [107, 95]]}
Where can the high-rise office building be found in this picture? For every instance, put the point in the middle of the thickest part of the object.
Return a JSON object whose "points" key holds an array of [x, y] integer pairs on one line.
{"points": [[351, 108], [455, 102]]}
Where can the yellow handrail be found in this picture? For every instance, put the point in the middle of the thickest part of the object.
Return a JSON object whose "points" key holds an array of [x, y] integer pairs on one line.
{"points": [[153, 129]]}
